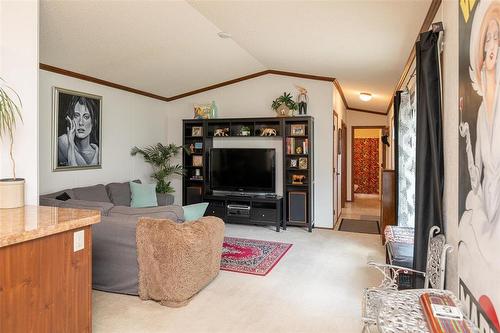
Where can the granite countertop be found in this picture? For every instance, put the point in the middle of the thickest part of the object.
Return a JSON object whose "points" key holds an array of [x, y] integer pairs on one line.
{"points": [[19, 225]]}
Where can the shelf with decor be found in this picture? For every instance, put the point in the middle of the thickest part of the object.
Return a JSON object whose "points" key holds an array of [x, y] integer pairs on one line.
{"points": [[296, 136], [298, 187], [243, 127], [193, 160]]}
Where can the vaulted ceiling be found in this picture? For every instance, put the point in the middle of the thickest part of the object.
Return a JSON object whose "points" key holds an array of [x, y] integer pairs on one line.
{"points": [[170, 47]]}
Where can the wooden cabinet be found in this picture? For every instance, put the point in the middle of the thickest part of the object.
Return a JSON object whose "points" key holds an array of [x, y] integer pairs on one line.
{"points": [[388, 202], [46, 270], [45, 286]]}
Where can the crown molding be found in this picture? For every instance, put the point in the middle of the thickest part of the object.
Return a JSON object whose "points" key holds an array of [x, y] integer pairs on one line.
{"points": [[92, 79], [102, 82]]}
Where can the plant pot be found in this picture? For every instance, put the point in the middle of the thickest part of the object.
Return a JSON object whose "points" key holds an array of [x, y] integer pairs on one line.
{"points": [[11, 193]]}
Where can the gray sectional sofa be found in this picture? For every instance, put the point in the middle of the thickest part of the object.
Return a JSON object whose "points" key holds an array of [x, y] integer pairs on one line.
{"points": [[114, 253]]}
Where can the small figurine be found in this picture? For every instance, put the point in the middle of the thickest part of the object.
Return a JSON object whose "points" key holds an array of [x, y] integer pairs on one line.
{"points": [[221, 132], [302, 100], [191, 148], [268, 132]]}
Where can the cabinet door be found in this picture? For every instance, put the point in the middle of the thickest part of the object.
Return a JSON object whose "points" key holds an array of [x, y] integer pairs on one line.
{"points": [[297, 206], [216, 208]]}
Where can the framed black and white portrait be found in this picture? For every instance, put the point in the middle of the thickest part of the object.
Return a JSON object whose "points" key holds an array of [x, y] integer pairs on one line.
{"points": [[76, 130]]}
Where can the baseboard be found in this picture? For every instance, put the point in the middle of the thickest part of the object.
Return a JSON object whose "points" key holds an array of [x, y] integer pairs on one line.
{"points": [[324, 228]]}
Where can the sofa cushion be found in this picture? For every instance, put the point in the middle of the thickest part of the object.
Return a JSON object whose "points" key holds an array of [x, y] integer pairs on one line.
{"points": [[174, 213], [103, 207], [91, 193], [119, 193], [195, 211], [143, 195]]}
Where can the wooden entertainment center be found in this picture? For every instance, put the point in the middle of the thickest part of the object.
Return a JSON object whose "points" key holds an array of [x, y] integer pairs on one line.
{"points": [[295, 207]]}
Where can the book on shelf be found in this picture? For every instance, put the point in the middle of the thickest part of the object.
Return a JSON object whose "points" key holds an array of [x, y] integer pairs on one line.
{"points": [[292, 144], [442, 314]]}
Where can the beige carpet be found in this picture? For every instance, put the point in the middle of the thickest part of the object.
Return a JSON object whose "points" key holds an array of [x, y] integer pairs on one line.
{"points": [[316, 287]]}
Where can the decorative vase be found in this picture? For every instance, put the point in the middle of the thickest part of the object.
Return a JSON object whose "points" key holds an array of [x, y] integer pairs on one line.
{"points": [[283, 111], [11, 193]]}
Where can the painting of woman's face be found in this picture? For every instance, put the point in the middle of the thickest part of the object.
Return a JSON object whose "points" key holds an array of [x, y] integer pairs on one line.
{"points": [[77, 130], [491, 45], [83, 121]]}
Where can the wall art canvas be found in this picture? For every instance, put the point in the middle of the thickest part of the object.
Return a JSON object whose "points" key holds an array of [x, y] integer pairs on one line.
{"points": [[479, 161], [76, 130]]}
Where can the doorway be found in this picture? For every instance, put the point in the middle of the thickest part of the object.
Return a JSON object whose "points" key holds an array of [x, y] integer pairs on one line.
{"points": [[367, 161]]}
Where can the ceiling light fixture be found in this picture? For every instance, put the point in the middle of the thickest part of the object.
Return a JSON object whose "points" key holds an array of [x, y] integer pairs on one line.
{"points": [[224, 34], [365, 97]]}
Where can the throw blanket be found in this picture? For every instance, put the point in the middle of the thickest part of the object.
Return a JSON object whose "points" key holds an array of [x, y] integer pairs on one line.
{"points": [[177, 260]]}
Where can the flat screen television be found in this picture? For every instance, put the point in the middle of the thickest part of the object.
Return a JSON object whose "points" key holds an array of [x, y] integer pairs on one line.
{"points": [[243, 170]]}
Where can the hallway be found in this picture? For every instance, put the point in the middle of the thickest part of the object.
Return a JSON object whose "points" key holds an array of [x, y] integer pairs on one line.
{"points": [[364, 207]]}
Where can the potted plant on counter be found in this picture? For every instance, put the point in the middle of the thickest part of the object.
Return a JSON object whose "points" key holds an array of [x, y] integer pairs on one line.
{"points": [[159, 157], [11, 189]]}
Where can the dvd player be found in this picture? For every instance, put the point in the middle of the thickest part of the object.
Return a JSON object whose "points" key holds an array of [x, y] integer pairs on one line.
{"points": [[238, 210]]}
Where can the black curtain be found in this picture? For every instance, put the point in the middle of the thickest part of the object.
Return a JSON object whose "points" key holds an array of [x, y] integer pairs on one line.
{"points": [[397, 104], [429, 155]]}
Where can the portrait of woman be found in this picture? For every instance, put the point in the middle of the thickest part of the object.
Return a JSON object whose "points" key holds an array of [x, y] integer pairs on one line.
{"points": [[77, 119], [479, 226]]}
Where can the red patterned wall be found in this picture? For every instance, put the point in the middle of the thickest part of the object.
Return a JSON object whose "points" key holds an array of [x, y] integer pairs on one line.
{"points": [[366, 165]]}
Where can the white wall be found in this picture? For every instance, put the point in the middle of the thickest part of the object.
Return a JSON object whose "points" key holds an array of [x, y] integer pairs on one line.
{"points": [[127, 120], [19, 67], [252, 98], [356, 118]]}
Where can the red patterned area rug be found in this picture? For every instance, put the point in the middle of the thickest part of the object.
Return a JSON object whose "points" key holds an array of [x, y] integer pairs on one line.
{"points": [[251, 256]]}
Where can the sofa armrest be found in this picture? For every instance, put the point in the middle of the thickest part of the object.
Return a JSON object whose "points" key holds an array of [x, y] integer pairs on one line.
{"points": [[164, 199]]}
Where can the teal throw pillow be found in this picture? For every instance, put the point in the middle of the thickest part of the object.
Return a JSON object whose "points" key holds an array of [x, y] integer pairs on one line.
{"points": [[143, 195], [194, 212]]}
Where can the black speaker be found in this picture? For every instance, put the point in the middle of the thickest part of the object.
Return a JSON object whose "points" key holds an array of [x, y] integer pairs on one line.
{"points": [[193, 195], [297, 207]]}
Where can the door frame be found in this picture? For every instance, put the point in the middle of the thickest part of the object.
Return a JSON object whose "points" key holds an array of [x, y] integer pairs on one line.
{"points": [[344, 164], [335, 191], [353, 128]]}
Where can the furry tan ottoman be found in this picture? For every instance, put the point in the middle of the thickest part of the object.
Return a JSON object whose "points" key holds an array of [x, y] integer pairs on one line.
{"points": [[177, 260]]}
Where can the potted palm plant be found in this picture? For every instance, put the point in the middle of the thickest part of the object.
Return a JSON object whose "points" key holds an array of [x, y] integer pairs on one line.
{"points": [[11, 189], [159, 157]]}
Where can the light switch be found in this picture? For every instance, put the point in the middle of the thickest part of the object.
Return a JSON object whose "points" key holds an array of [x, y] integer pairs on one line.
{"points": [[78, 240]]}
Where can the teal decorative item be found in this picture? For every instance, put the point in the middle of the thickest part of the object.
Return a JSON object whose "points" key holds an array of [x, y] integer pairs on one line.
{"points": [[213, 110], [195, 211], [143, 195]]}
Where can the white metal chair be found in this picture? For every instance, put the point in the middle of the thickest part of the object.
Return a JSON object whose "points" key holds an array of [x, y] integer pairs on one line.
{"points": [[434, 277]]}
